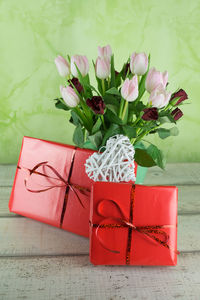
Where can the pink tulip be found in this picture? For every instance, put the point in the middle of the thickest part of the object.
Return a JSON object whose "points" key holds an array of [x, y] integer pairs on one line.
{"points": [[139, 63], [105, 52], [82, 64], [102, 67], [159, 97], [69, 96], [62, 66], [155, 78], [129, 89]]}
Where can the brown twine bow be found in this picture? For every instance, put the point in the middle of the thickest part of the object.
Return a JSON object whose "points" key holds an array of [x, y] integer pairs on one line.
{"points": [[149, 231], [65, 183]]}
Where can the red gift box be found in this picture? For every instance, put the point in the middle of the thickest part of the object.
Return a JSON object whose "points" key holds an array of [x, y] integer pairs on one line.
{"points": [[51, 185], [133, 224]]}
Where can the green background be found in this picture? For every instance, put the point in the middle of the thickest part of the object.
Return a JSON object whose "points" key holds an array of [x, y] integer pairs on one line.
{"points": [[33, 32]]}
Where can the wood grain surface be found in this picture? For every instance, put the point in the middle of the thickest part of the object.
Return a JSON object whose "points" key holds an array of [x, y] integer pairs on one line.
{"points": [[38, 261]]}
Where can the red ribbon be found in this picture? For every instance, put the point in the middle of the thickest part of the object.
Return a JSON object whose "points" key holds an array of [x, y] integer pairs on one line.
{"points": [[121, 222], [65, 183]]}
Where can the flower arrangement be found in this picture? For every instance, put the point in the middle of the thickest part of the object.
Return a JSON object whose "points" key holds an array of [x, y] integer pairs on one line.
{"points": [[118, 104]]}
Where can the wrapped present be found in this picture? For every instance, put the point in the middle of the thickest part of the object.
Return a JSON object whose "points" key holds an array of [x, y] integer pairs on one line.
{"points": [[133, 224], [51, 185]]}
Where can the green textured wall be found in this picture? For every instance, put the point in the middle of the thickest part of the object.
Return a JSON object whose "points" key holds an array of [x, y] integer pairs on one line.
{"points": [[33, 32]]}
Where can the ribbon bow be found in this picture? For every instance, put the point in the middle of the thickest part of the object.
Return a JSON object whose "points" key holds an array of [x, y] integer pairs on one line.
{"points": [[152, 232], [64, 183]]}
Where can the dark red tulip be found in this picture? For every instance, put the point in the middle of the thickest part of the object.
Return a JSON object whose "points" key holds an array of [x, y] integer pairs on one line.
{"points": [[177, 114], [116, 73], [76, 83], [96, 104], [181, 94], [150, 114], [127, 69]]}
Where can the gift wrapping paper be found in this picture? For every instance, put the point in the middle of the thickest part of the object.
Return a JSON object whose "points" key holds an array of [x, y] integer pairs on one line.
{"points": [[133, 224]]}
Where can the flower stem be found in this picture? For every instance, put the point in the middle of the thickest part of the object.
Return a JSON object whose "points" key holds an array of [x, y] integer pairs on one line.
{"points": [[121, 107], [103, 86], [103, 122], [124, 110], [145, 133], [109, 82]]}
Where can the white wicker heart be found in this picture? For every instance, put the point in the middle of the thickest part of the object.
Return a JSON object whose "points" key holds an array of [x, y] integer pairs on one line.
{"points": [[115, 164]]}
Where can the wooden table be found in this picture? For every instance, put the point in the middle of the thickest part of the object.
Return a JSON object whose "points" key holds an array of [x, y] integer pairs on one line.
{"points": [[38, 261]]}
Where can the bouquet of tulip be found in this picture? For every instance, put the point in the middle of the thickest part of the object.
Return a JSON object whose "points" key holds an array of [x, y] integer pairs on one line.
{"points": [[118, 104]]}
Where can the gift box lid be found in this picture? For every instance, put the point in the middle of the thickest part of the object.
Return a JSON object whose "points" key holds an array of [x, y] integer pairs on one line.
{"points": [[46, 206], [140, 206]]}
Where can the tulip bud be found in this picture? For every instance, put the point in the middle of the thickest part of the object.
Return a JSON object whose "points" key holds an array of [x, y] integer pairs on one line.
{"points": [[129, 89], [62, 66], [69, 96], [177, 114], [81, 62], [150, 113], [181, 94], [102, 67], [159, 97], [139, 63], [76, 84], [155, 78], [105, 52], [96, 104]]}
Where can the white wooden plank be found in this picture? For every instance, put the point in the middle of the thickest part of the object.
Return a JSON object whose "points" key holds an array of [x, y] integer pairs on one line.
{"points": [[4, 199], [175, 174], [21, 236], [7, 173], [188, 200], [68, 278]]}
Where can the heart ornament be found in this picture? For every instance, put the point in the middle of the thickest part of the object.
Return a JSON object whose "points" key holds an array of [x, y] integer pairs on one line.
{"points": [[115, 164]]}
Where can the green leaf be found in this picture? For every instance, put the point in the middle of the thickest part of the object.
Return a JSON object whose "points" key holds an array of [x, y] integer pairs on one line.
{"points": [[78, 137], [136, 108], [113, 130], [166, 117], [139, 145], [112, 81], [112, 118], [163, 133], [118, 80], [113, 91], [143, 159], [74, 118], [60, 104], [89, 145], [96, 139], [174, 131], [129, 131], [111, 99], [96, 126], [156, 155], [164, 120], [113, 108], [93, 89]]}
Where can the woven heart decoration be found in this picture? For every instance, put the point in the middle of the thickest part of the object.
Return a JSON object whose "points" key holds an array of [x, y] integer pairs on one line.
{"points": [[115, 164]]}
